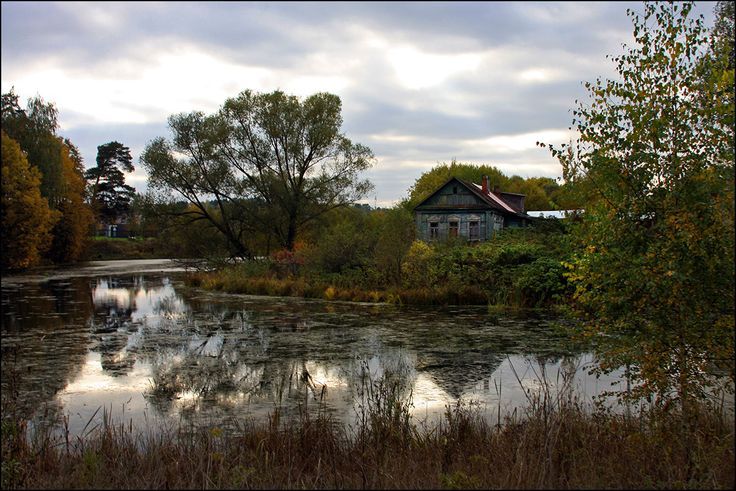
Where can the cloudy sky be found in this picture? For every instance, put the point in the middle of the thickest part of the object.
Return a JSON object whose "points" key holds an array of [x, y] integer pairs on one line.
{"points": [[420, 83]]}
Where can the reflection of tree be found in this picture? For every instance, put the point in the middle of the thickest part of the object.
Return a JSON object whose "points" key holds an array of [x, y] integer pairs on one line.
{"points": [[217, 356], [459, 349], [116, 301], [200, 356], [44, 339], [223, 359], [114, 304], [214, 355]]}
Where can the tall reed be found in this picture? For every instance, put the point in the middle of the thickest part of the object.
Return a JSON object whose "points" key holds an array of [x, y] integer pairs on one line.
{"points": [[556, 442]]}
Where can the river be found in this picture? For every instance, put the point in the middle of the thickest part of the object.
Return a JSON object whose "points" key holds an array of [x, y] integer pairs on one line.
{"points": [[128, 339]]}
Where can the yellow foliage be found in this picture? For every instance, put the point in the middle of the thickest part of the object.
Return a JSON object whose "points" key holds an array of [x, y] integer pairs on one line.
{"points": [[26, 216], [330, 293]]}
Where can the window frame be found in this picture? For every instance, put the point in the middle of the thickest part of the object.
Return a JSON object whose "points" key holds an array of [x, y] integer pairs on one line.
{"points": [[434, 230]]}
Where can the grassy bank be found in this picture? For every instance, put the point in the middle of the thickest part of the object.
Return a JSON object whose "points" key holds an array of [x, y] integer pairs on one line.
{"points": [[561, 446], [520, 268], [230, 281]]}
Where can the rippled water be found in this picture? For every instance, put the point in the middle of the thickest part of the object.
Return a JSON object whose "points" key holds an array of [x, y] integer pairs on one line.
{"points": [[129, 337]]}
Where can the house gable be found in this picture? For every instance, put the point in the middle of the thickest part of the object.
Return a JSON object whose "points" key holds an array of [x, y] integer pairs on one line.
{"points": [[454, 194]]}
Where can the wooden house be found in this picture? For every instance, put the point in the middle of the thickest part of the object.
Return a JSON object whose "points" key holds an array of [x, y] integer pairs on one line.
{"points": [[467, 210]]}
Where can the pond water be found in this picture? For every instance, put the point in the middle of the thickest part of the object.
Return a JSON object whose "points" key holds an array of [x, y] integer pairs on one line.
{"points": [[127, 338]]}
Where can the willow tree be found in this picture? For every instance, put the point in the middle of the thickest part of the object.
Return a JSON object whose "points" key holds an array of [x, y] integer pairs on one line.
{"points": [[265, 163], [655, 274]]}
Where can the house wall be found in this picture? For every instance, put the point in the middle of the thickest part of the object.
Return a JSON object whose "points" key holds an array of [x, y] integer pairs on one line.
{"points": [[515, 222], [489, 223], [515, 200], [454, 202]]}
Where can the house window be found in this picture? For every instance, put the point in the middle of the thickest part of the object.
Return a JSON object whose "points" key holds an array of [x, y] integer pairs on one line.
{"points": [[434, 230], [474, 230], [454, 226]]}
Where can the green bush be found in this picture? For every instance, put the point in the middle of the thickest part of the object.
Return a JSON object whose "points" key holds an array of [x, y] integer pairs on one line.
{"points": [[418, 269], [515, 254], [540, 282]]}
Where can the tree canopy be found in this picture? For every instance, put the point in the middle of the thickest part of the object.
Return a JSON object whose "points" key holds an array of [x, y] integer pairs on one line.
{"points": [[269, 163], [109, 195], [26, 218], [542, 193], [60, 170]]}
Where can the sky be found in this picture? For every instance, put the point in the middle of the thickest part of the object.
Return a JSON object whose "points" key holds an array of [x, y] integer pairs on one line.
{"points": [[421, 83]]}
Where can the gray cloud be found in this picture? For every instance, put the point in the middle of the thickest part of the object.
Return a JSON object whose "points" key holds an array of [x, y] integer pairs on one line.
{"points": [[522, 70]]}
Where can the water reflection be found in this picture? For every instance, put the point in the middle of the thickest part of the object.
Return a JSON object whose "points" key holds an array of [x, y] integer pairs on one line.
{"points": [[151, 350]]}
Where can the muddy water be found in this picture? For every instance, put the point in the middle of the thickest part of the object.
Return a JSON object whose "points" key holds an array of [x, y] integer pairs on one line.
{"points": [[127, 338]]}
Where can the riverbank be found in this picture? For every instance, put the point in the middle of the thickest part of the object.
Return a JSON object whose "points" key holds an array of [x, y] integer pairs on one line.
{"points": [[520, 268], [554, 444], [229, 281]]}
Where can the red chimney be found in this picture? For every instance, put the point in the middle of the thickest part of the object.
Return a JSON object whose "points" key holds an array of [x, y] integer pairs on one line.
{"points": [[485, 185]]}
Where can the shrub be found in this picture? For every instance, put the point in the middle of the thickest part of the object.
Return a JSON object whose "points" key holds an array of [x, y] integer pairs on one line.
{"points": [[540, 282], [417, 268], [515, 254]]}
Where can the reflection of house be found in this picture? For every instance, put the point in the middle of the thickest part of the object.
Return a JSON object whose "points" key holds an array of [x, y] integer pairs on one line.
{"points": [[455, 374], [463, 209]]}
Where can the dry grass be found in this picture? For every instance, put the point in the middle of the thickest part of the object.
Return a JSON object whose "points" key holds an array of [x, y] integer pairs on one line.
{"points": [[299, 287], [555, 444]]}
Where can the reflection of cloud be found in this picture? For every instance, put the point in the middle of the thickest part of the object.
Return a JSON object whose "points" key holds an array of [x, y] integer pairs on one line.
{"points": [[326, 375], [141, 299], [103, 294], [428, 395], [93, 379]]}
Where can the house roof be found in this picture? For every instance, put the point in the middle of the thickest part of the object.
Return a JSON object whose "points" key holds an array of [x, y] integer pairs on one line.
{"points": [[495, 198], [490, 198]]}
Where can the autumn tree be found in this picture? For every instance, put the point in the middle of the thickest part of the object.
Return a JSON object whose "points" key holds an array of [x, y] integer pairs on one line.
{"points": [[654, 277], [109, 195], [70, 232], [26, 218], [269, 162], [60, 165], [34, 128]]}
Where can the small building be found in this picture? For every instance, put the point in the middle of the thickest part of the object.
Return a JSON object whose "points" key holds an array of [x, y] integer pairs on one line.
{"points": [[556, 214], [113, 230], [472, 211]]}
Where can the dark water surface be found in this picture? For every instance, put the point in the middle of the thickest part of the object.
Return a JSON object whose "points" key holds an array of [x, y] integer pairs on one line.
{"points": [[129, 337]]}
